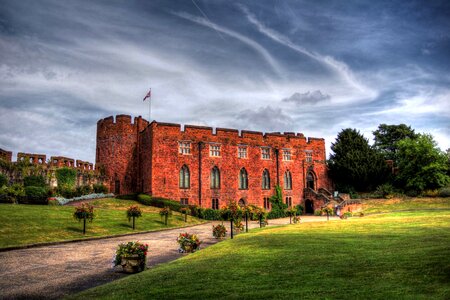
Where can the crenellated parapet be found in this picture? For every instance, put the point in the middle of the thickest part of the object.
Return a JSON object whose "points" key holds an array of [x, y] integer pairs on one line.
{"points": [[35, 159]]}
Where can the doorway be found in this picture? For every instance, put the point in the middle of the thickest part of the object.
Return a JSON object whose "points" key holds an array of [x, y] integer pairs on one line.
{"points": [[309, 206]]}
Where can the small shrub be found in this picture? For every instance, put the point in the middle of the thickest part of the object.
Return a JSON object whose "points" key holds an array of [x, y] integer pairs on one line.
{"points": [[219, 231], [100, 188], [66, 177], [3, 180], [127, 197], [412, 193], [34, 180], [12, 194], [300, 209], [430, 193], [211, 214], [444, 192], [34, 195], [384, 191], [318, 212]]}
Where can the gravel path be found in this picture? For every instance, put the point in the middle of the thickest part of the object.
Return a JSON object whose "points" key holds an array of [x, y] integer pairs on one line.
{"points": [[51, 272]]}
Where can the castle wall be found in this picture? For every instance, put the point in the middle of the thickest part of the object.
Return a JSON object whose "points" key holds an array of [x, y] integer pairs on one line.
{"points": [[161, 163], [5, 155]]}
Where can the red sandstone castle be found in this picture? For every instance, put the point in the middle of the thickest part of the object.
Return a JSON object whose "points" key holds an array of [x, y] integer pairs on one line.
{"points": [[206, 167]]}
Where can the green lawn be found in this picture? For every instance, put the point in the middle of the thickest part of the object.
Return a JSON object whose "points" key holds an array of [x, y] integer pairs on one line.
{"points": [[396, 204], [30, 224], [392, 256]]}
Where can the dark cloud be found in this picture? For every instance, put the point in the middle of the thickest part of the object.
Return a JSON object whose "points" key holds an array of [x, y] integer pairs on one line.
{"points": [[264, 119], [65, 64], [307, 98]]}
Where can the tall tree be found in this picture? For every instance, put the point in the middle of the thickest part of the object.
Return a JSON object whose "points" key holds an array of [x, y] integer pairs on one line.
{"points": [[422, 165], [355, 164], [387, 137]]}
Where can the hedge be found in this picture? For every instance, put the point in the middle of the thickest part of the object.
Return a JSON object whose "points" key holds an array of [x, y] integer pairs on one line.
{"points": [[159, 202], [34, 195], [34, 180]]}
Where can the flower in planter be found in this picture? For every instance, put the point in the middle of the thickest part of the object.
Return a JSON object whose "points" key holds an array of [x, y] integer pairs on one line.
{"points": [[238, 226], [219, 231], [165, 212], [188, 242], [131, 256], [84, 212], [133, 212]]}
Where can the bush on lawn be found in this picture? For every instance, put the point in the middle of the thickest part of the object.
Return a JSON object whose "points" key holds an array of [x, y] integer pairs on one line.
{"points": [[100, 188], [11, 194], [211, 214], [444, 192], [34, 195], [34, 180]]}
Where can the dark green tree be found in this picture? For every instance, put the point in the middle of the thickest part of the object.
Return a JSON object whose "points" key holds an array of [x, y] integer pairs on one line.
{"points": [[387, 137], [422, 165], [354, 164]]}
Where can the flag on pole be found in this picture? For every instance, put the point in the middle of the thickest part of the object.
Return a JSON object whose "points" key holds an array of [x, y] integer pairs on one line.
{"points": [[149, 95]]}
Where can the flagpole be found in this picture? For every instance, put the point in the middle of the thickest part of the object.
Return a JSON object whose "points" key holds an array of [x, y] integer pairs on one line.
{"points": [[150, 110]]}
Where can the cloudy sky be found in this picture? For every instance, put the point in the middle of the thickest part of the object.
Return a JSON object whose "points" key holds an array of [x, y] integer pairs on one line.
{"points": [[307, 66]]}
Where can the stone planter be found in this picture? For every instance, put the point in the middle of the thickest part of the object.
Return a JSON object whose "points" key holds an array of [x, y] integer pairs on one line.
{"points": [[133, 264]]}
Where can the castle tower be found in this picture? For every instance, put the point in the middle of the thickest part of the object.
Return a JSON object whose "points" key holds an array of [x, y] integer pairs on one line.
{"points": [[117, 152]]}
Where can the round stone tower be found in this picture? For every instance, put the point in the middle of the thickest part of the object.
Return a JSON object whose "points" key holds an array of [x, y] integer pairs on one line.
{"points": [[117, 152]]}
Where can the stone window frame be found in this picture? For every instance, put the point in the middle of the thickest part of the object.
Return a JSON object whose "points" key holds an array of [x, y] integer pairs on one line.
{"points": [[215, 178], [215, 203], [214, 150], [308, 156], [184, 180], [242, 151], [184, 147], [287, 154], [287, 180], [243, 179], [266, 180], [289, 201], [267, 203], [265, 153]]}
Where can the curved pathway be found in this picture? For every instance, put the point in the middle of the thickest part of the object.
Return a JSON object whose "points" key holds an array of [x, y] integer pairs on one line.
{"points": [[55, 271]]}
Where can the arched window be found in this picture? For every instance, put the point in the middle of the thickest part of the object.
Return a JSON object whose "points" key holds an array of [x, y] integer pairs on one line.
{"points": [[266, 180], [287, 180], [185, 179], [310, 181], [241, 202], [215, 178], [243, 179]]}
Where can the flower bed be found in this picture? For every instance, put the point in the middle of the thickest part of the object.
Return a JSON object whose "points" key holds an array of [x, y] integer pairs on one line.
{"points": [[188, 242], [64, 201]]}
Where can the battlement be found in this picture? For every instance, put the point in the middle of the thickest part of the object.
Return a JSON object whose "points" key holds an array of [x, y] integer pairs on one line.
{"points": [[36, 159], [230, 132], [84, 165], [5, 155], [61, 161], [122, 120]]}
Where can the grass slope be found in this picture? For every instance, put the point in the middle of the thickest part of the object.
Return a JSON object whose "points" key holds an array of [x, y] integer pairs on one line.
{"points": [[29, 224], [400, 255], [396, 204]]}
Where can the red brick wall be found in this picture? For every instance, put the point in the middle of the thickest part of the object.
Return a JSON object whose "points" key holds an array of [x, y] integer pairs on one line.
{"points": [[117, 146], [6, 155], [160, 173]]}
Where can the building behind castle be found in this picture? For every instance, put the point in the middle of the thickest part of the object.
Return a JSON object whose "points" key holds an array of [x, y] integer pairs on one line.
{"points": [[206, 167]]}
